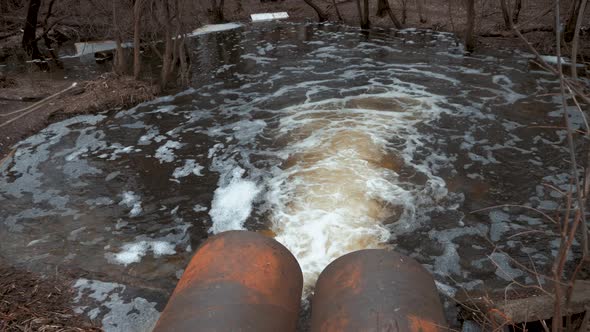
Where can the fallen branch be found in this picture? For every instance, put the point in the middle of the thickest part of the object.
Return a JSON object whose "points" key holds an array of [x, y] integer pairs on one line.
{"points": [[32, 108], [10, 34], [535, 308], [512, 34], [8, 156], [573, 85]]}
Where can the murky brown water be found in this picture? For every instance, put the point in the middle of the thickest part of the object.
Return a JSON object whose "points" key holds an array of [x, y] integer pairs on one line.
{"points": [[327, 139]]}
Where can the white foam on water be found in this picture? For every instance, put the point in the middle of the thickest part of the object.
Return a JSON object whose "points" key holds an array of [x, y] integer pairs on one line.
{"points": [[134, 252], [260, 60], [199, 208], [232, 203], [165, 153], [130, 199], [111, 301], [190, 167]]}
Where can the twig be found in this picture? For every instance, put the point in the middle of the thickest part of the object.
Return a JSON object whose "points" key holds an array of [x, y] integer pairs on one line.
{"points": [[516, 205], [586, 321], [8, 156], [577, 38], [536, 18], [570, 138]]}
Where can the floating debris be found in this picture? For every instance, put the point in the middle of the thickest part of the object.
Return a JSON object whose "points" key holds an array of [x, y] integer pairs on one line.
{"points": [[269, 16]]}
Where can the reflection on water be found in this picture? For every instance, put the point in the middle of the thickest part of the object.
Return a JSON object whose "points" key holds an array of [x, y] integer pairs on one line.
{"points": [[327, 139]]}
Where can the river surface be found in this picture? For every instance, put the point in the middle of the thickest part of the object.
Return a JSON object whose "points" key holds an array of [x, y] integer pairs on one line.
{"points": [[328, 139]]}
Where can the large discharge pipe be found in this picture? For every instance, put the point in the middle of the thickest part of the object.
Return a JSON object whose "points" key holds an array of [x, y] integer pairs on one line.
{"points": [[376, 290], [237, 281]]}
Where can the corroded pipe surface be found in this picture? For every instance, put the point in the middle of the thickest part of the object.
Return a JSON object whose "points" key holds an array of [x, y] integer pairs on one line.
{"points": [[237, 281], [376, 290]]}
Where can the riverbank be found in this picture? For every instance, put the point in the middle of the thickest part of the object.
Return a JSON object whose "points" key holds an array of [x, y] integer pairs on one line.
{"points": [[107, 92], [30, 302]]}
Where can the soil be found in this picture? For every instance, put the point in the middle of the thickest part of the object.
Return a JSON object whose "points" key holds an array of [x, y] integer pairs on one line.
{"points": [[107, 92], [29, 302]]}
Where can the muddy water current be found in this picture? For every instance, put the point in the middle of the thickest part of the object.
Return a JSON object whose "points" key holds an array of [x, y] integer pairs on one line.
{"points": [[325, 138]]}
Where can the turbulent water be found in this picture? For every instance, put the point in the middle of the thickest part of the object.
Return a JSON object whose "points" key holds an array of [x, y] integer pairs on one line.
{"points": [[328, 139]]}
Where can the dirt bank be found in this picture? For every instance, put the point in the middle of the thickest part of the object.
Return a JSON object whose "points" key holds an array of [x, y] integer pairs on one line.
{"points": [[29, 302], [107, 92]]}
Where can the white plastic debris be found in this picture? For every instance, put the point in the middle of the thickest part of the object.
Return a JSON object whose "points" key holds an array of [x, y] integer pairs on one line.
{"points": [[97, 46], [214, 28], [269, 16]]}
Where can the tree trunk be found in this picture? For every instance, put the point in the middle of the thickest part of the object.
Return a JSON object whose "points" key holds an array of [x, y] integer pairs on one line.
{"points": [[421, 11], [359, 9], [29, 41], [505, 15], [363, 14], [216, 12], [516, 12], [469, 35], [136, 38], [322, 17], [119, 65], [182, 53], [576, 40], [167, 61], [366, 22], [381, 8], [3, 6], [337, 11], [394, 20], [46, 39], [451, 20], [571, 21], [404, 4]]}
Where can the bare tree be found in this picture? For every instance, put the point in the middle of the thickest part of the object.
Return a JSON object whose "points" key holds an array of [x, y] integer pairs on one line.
{"points": [[337, 11], [576, 40], [119, 65], [404, 5], [3, 6], [381, 8], [516, 11], [46, 29], [570, 24], [469, 33], [137, 8], [216, 11], [322, 17], [387, 9], [505, 14], [420, 9], [363, 11], [509, 14], [366, 21], [167, 60], [29, 41]]}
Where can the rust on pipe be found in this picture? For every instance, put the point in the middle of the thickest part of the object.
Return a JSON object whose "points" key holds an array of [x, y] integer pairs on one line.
{"points": [[237, 281], [376, 290]]}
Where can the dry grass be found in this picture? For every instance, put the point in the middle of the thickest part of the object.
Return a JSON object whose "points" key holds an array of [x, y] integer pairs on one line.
{"points": [[31, 303]]}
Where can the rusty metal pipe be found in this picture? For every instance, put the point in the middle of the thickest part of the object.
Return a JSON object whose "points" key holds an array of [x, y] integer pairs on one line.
{"points": [[237, 281], [376, 290]]}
